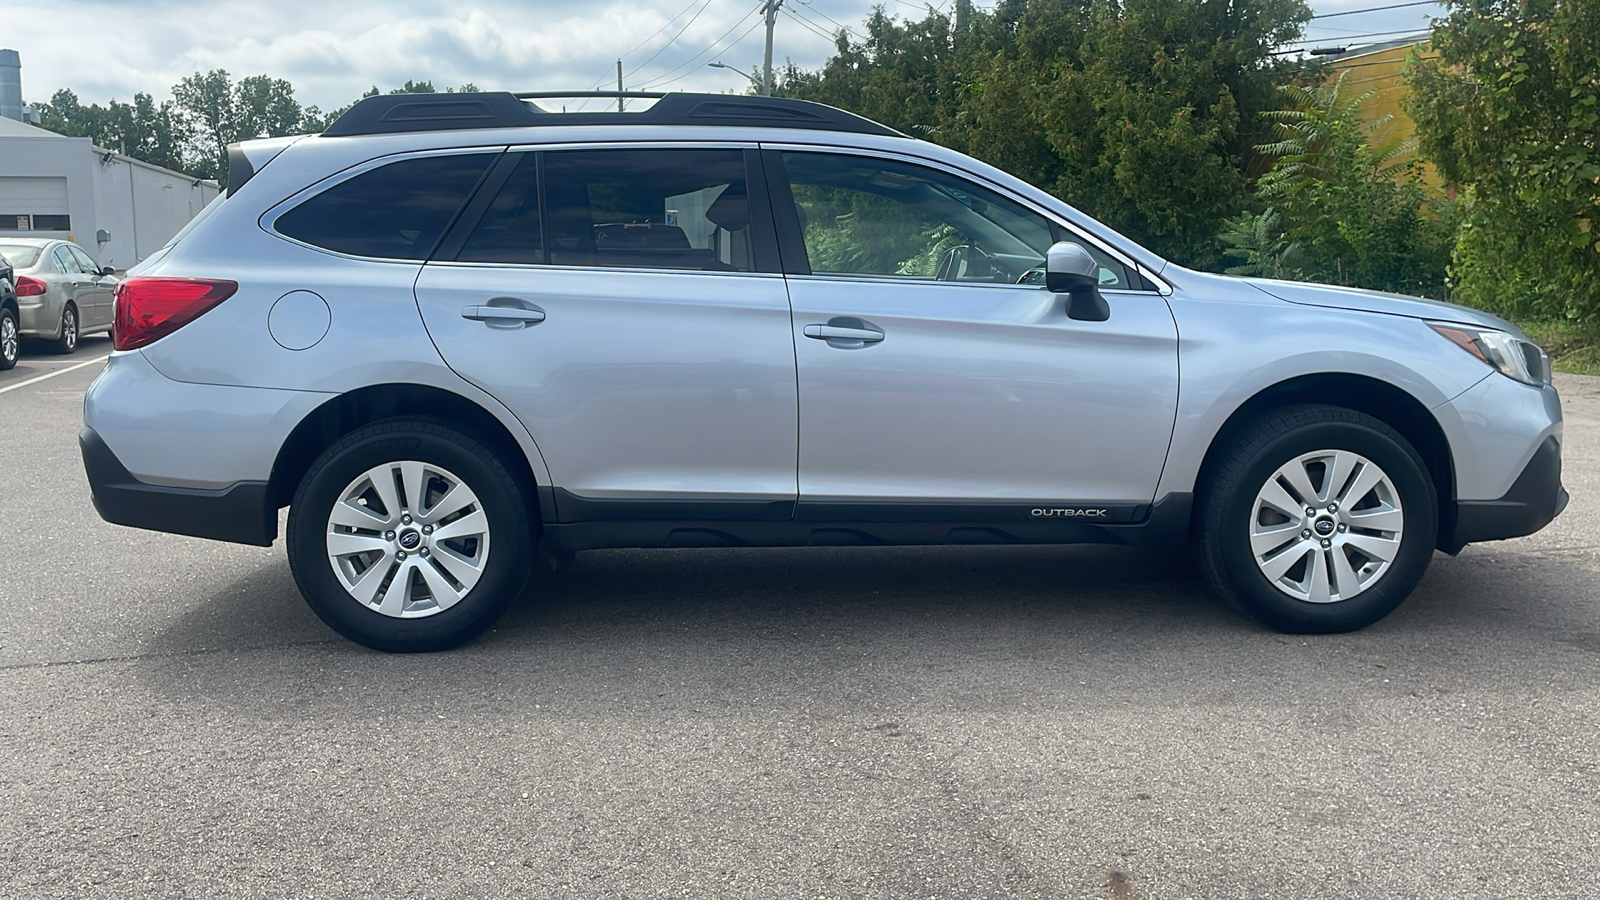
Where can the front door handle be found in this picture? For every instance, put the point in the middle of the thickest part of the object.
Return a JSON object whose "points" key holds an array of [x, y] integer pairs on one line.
{"points": [[835, 332], [845, 333], [503, 315]]}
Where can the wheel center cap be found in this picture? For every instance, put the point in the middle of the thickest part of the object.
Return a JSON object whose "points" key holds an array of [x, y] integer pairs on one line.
{"points": [[409, 540], [1324, 527]]}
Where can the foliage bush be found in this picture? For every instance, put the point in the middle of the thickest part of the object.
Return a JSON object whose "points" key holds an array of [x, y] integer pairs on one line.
{"points": [[1143, 113], [1343, 203], [1508, 112]]}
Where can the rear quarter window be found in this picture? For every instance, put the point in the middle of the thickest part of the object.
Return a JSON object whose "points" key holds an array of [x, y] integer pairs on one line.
{"points": [[396, 211]]}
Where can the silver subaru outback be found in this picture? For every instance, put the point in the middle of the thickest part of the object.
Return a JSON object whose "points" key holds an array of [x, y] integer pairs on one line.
{"points": [[447, 331]]}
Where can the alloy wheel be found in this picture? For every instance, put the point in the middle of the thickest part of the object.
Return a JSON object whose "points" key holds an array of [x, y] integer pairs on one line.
{"points": [[1326, 526], [407, 539], [8, 339]]}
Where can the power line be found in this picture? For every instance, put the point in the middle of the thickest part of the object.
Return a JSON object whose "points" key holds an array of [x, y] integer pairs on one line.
{"points": [[1351, 12], [657, 81], [674, 38], [664, 26], [661, 84], [807, 25], [1377, 62], [1352, 37], [845, 28], [712, 47], [1337, 66]]}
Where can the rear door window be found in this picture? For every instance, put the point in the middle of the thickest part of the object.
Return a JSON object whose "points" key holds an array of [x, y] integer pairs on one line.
{"points": [[396, 211], [658, 209]]}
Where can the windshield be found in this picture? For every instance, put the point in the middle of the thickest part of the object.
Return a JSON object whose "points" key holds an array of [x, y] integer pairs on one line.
{"points": [[21, 256]]}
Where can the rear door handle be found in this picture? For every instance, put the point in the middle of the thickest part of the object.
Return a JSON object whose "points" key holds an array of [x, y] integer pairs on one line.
{"points": [[503, 315], [841, 333]]}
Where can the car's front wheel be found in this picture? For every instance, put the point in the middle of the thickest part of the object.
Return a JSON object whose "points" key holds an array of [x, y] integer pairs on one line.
{"points": [[1319, 520], [409, 535]]}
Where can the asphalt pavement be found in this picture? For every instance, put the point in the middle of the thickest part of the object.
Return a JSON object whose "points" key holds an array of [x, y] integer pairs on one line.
{"points": [[1075, 722]]}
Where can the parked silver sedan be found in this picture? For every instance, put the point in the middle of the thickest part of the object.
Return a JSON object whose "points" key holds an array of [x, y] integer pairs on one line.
{"points": [[62, 293]]}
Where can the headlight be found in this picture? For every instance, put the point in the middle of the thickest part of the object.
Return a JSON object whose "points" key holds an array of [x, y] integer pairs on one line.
{"points": [[1514, 357]]}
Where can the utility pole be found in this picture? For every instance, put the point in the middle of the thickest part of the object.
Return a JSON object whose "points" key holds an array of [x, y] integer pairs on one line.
{"points": [[771, 9], [619, 85]]}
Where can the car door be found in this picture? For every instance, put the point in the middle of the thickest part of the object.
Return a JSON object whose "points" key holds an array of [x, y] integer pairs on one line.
{"points": [[71, 283], [938, 379], [625, 303], [95, 295]]}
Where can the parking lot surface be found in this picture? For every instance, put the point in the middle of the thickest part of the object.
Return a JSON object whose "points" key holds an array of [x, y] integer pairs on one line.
{"points": [[1072, 722]]}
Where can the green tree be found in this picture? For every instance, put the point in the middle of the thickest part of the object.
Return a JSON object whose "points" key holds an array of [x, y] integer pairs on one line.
{"points": [[1144, 113], [142, 129], [220, 112], [65, 114], [1344, 202], [1508, 113], [315, 120]]}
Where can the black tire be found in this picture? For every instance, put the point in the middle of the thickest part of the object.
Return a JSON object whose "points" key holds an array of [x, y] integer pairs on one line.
{"points": [[68, 341], [506, 561], [1228, 503], [10, 340]]}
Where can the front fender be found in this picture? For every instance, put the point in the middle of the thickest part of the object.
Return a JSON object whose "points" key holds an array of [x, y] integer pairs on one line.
{"points": [[1221, 370]]}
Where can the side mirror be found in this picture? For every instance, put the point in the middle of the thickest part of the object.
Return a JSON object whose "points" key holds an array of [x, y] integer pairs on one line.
{"points": [[109, 270], [1070, 270]]}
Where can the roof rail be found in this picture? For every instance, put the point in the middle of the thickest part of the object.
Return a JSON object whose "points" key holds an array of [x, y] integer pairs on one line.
{"points": [[399, 113]]}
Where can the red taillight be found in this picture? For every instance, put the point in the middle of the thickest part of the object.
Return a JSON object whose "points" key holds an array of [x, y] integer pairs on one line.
{"points": [[29, 287], [152, 308]]}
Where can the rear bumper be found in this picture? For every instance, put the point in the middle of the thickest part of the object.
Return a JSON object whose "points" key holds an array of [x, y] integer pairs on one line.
{"points": [[38, 317], [1535, 498], [238, 513]]}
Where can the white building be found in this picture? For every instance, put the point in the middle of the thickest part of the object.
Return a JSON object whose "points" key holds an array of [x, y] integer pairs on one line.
{"points": [[119, 209]]}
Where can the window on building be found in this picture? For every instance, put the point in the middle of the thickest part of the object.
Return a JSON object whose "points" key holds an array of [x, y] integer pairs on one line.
{"points": [[34, 222]]}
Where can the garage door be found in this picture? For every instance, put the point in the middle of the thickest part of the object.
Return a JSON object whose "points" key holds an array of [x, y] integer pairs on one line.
{"points": [[29, 203]]}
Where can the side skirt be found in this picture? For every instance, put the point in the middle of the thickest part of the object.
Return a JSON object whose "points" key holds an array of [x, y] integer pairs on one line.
{"points": [[1162, 524]]}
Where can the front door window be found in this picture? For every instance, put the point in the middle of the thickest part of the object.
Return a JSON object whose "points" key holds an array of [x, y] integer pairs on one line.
{"points": [[863, 215]]}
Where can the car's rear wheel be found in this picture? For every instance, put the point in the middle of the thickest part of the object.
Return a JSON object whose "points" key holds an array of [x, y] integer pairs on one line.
{"points": [[409, 535], [68, 341], [1320, 520], [9, 345]]}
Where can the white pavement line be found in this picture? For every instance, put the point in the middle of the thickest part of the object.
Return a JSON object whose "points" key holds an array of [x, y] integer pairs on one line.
{"points": [[38, 378]]}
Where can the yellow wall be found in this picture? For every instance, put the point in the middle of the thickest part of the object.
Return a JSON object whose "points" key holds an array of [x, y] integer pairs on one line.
{"points": [[1380, 73]]}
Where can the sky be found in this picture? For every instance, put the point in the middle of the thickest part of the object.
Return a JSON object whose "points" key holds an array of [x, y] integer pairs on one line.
{"points": [[333, 50]]}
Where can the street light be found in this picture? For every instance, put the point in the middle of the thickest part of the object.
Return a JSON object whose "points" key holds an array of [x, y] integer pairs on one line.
{"points": [[753, 80]]}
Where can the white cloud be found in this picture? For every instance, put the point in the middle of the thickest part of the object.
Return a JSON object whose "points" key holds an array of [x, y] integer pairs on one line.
{"points": [[332, 51]]}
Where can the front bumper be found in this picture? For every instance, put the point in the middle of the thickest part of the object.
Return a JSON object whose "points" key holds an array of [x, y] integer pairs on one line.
{"points": [[1533, 501], [238, 513]]}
